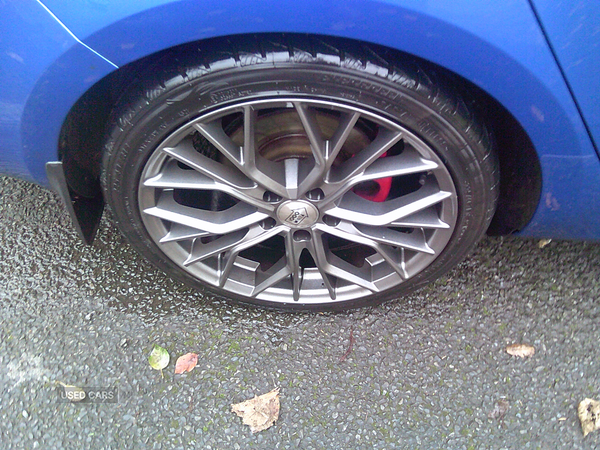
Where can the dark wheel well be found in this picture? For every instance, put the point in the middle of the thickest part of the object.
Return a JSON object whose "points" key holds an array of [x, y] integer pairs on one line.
{"points": [[82, 134]]}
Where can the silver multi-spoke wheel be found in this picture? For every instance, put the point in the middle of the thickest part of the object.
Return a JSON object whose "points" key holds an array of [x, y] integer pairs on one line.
{"points": [[297, 200]]}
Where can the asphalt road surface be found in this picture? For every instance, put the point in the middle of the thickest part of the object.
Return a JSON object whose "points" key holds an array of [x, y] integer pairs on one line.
{"points": [[427, 371]]}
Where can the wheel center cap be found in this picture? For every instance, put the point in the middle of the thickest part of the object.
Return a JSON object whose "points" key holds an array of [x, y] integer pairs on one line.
{"points": [[298, 213]]}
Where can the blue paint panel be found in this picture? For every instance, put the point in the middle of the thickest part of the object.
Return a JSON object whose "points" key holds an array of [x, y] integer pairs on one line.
{"points": [[46, 71], [573, 28], [560, 214], [23, 57], [497, 45]]}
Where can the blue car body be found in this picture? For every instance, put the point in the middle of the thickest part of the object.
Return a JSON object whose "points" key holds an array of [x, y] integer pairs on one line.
{"points": [[538, 59]]}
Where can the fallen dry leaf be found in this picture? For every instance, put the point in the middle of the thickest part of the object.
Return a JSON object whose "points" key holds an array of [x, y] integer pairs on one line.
{"points": [[499, 410], [186, 363], [520, 350], [589, 415], [544, 242], [260, 412]]}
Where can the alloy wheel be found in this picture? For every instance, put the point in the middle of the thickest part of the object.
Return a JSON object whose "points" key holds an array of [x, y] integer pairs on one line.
{"points": [[298, 200]]}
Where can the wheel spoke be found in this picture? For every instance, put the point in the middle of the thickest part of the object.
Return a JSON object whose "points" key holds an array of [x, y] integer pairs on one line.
{"points": [[373, 236], [220, 244], [341, 269], [270, 277], [359, 163], [310, 173], [406, 163], [178, 232], [214, 133], [324, 152], [393, 257], [414, 240], [235, 218], [426, 218], [354, 208], [292, 177], [185, 153], [268, 174], [313, 132], [249, 156], [174, 177], [345, 127], [233, 243], [293, 250], [255, 236], [337, 267], [318, 250]]}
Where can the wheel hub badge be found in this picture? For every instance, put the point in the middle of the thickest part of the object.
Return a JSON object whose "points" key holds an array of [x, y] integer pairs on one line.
{"points": [[298, 214]]}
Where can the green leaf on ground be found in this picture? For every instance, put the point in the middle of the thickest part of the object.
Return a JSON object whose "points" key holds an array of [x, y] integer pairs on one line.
{"points": [[159, 358]]}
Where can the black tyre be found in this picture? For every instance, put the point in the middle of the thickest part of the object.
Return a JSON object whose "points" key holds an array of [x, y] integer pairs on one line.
{"points": [[299, 175]]}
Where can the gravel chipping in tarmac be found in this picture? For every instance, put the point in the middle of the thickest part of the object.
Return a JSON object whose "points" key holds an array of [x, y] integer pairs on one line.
{"points": [[427, 371]]}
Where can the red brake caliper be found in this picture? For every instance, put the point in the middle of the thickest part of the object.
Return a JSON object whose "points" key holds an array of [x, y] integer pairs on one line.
{"points": [[381, 192]]}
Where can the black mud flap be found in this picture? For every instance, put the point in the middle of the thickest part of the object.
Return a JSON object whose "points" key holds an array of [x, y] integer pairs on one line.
{"points": [[85, 212]]}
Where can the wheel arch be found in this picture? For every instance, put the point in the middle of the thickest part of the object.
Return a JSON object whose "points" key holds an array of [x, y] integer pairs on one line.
{"points": [[82, 134]]}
